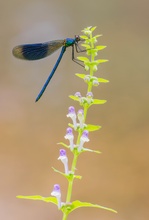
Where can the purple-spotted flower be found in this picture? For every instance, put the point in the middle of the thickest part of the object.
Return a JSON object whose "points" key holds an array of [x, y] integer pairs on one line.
{"points": [[72, 114], [87, 78], [89, 97], [95, 83], [69, 136], [81, 117], [78, 94], [57, 193], [84, 138], [63, 157]]}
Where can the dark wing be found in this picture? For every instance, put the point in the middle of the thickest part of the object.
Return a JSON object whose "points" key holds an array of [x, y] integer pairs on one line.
{"points": [[37, 51]]}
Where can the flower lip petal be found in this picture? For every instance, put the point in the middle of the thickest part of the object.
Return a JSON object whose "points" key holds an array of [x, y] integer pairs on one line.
{"points": [[89, 94], [62, 152], [71, 109], [78, 94], [56, 190], [69, 131]]}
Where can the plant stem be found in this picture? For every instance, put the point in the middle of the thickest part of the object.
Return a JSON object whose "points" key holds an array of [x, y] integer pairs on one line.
{"points": [[69, 192], [64, 216]]}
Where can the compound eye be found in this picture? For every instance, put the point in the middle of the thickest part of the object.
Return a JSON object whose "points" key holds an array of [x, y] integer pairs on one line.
{"points": [[77, 38]]}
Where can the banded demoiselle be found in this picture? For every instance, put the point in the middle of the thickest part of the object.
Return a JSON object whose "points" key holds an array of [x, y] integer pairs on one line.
{"points": [[42, 50]]}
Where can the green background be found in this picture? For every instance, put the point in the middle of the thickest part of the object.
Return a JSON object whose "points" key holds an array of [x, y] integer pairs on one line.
{"points": [[29, 131]]}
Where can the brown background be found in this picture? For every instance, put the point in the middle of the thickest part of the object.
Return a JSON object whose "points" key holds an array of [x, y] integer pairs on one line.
{"points": [[29, 131]]}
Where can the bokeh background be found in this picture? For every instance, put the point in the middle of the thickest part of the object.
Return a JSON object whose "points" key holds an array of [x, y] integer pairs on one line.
{"points": [[29, 131]]}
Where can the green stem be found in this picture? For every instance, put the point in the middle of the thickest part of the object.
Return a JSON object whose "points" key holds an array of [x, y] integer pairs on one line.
{"points": [[90, 84], [64, 216], [69, 191], [89, 89]]}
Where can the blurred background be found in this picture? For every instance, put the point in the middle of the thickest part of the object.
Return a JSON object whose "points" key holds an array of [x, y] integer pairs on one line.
{"points": [[29, 131]]}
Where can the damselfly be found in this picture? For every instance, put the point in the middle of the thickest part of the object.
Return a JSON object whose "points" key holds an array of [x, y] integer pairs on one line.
{"points": [[42, 50]]}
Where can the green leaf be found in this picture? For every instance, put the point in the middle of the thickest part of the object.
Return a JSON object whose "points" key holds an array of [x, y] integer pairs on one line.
{"points": [[77, 204], [99, 35], [83, 37], [86, 46], [84, 59], [80, 75], [98, 101], [100, 47], [101, 61], [92, 127], [74, 97], [37, 197], [94, 151], [88, 127], [64, 145], [78, 177], [70, 125], [101, 80], [93, 28], [57, 171]]}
